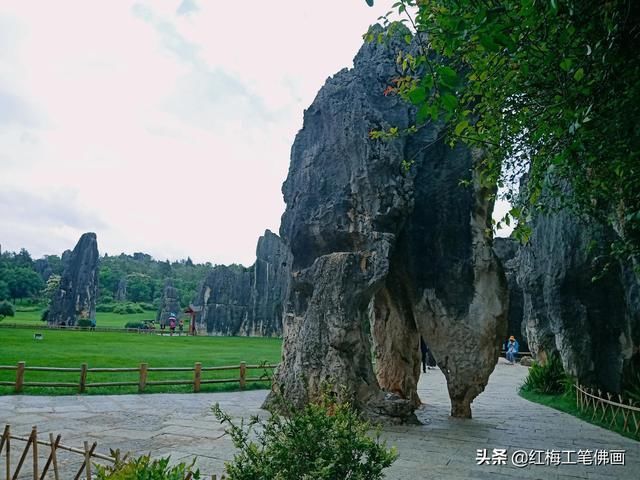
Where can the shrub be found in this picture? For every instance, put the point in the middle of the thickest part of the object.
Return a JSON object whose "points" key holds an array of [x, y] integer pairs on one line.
{"points": [[105, 307], [143, 468], [127, 308], [134, 325], [84, 322], [549, 378], [44, 316], [324, 441], [6, 310], [146, 306]]}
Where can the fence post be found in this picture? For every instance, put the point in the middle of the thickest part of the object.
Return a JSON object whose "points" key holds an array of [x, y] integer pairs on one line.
{"points": [[34, 433], [143, 377], [197, 375], [20, 377], [7, 431], [243, 374], [83, 378]]}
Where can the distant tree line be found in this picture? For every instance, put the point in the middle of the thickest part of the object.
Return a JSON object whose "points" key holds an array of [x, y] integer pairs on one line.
{"points": [[122, 279]]}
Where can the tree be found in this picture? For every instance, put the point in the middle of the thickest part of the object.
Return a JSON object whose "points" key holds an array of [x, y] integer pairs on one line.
{"points": [[51, 287], [6, 310], [545, 87], [140, 287], [23, 283], [4, 290]]}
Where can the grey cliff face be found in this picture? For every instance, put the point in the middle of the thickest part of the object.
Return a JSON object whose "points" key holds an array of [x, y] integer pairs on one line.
{"points": [[76, 295], [594, 325], [507, 250], [382, 256], [169, 304], [235, 300]]}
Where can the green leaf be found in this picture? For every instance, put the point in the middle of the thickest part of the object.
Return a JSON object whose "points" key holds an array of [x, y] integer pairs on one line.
{"points": [[448, 76], [417, 95], [407, 39], [461, 127], [449, 102], [579, 75], [565, 64]]}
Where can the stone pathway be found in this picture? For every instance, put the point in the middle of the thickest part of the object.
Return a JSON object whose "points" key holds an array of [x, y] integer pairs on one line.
{"points": [[182, 426]]}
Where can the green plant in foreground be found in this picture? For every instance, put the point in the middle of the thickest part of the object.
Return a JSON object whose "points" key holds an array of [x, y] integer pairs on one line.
{"points": [[325, 441], [144, 468], [549, 378]]}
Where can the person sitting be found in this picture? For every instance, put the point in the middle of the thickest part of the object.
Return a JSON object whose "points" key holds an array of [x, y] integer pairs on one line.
{"points": [[512, 350]]}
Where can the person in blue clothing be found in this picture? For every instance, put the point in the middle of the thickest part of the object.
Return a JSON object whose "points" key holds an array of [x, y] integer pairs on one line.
{"points": [[512, 349]]}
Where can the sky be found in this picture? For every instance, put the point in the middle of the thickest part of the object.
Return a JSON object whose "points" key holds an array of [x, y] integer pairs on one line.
{"points": [[164, 126]]}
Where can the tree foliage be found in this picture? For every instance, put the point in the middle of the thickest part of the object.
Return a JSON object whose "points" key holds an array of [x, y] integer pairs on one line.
{"points": [[6, 310], [546, 87]]}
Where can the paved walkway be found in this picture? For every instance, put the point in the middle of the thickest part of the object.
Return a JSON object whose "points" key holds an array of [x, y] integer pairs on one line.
{"points": [[181, 425]]}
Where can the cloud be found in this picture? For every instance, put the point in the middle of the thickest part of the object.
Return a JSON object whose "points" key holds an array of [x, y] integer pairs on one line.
{"points": [[15, 111], [58, 209], [187, 7]]}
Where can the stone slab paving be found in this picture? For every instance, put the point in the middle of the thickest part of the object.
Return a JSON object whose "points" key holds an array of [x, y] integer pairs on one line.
{"points": [[181, 425]]}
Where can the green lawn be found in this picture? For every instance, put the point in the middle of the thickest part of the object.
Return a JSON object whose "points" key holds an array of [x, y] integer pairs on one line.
{"points": [[102, 349], [31, 315]]}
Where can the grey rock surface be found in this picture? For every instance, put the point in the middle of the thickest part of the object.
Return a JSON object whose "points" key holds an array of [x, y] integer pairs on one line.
{"points": [[235, 300], [169, 304], [382, 255], [592, 321], [75, 298], [507, 250]]}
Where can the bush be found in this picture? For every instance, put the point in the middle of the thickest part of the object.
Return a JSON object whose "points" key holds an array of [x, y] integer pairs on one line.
{"points": [[134, 325], [326, 441], [127, 308], [143, 468], [44, 316], [6, 310], [105, 307], [83, 322], [549, 378], [147, 307]]}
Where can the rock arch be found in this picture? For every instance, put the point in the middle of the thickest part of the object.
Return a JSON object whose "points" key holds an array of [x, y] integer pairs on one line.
{"points": [[382, 255]]}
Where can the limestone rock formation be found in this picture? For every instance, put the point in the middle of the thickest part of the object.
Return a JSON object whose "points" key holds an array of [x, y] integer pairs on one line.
{"points": [[235, 300], [593, 324], [121, 293], [169, 304], [76, 295], [382, 255], [507, 251]]}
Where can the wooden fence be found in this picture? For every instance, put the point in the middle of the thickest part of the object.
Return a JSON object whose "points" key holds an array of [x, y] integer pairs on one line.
{"points": [[52, 465], [45, 326], [143, 370], [625, 415]]}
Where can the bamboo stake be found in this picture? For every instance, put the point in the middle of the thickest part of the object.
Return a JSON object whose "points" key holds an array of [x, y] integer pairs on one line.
{"points": [[24, 455], [34, 433], [52, 457]]}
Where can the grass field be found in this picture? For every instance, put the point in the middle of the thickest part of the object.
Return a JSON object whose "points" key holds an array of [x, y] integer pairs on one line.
{"points": [[100, 349], [31, 315]]}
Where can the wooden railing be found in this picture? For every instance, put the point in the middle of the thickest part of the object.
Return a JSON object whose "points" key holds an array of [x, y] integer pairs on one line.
{"points": [[626, 415], [45, 326], [142, 382], [51, 464]]}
